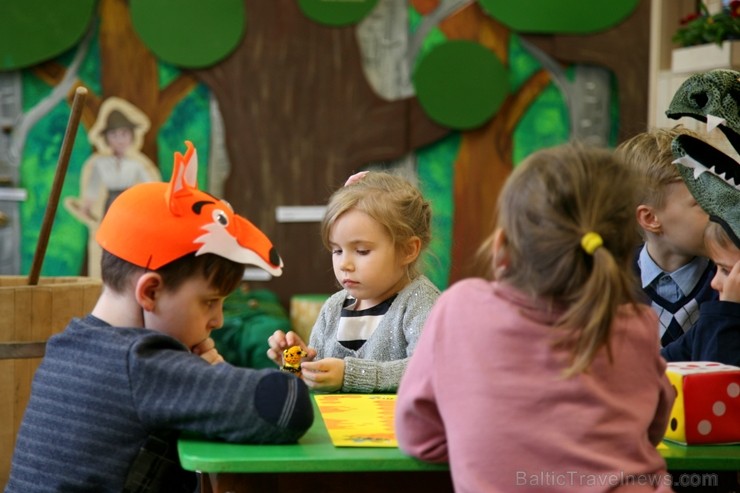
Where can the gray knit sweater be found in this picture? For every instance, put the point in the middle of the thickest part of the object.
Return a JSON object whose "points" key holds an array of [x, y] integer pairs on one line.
{"points": [[100, 391], [379, 364]]}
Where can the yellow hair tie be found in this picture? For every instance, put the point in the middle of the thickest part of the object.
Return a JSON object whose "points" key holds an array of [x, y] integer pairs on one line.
{"points": [[591, 241]]}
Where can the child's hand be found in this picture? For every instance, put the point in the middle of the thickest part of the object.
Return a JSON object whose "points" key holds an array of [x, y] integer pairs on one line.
{"points": [[280, 341], [731, 286], [207, 350], [324, 375]]}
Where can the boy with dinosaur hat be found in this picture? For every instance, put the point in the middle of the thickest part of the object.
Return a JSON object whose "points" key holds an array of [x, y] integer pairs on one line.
{"points": [[116, 388], [713, 178]]}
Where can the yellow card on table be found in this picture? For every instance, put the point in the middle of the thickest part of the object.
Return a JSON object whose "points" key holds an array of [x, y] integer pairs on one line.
{"points": [[359, 420]]}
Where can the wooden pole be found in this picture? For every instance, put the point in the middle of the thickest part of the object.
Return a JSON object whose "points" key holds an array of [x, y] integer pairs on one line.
{"points": [[56, 187]]}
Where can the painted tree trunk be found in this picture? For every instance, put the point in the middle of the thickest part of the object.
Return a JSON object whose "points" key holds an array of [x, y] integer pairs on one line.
{"points": [[485, 158], [300, 117], [128, 70]]}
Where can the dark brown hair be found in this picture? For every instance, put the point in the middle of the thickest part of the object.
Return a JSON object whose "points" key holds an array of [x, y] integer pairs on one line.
{"points": [[223, 274]]}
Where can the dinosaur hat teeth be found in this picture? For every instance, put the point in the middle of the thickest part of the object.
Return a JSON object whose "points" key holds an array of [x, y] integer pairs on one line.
{"points": [[711, 176], [720, 198], [688, 149], [714, 122]]}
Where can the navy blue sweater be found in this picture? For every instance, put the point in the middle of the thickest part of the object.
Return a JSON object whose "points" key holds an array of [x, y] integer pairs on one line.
{"points": [[715, 337], [678, 317], [101, 392]]}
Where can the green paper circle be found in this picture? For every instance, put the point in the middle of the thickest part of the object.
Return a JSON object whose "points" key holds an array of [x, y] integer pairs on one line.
{"points": [[559, 16], [336, 12], [461, 84], [189, 33], [33, 31]]}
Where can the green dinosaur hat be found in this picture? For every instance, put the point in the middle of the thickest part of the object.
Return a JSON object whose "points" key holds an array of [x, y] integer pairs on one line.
{"points": [[712, 176]]}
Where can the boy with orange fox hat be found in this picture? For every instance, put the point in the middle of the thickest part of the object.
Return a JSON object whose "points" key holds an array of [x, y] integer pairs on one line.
{"points": [[117, 386]]}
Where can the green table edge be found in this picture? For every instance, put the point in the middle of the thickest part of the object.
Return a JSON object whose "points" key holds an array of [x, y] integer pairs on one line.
{"points": [[314, 452]]}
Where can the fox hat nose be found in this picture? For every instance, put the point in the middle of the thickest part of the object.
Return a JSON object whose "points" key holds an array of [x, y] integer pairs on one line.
{"points": [[152, 224], [275, 257]]}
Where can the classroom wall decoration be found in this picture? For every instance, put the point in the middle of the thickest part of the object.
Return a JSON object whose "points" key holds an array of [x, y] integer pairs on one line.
{"points": [[461, 84], [336, 13], [565, 16], [117, 164], [285, 99], [218, 30]]}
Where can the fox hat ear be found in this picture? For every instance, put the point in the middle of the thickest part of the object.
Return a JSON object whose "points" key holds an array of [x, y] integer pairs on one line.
{"points": [[184, 178], [153, 224]]}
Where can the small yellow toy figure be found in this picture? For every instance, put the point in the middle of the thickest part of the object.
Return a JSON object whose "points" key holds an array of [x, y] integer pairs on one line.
{"points": [[292, 360]]}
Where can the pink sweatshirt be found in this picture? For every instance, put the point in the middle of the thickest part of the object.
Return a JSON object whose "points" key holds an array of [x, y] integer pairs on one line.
{"points": [[484, 391]]}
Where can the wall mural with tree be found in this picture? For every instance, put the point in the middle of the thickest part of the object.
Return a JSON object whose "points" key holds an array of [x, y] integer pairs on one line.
{"points": [[285, 99]]}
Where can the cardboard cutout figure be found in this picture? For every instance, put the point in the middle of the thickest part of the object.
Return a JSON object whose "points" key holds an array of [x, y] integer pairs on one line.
{"points": [[117, 164]]}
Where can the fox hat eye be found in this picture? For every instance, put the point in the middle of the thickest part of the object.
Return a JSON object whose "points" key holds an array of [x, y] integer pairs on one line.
{"points": [[220, 217]]}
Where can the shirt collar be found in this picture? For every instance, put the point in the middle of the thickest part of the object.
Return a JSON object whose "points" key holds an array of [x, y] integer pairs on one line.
{"points": [[649, 270], [685, 277]]}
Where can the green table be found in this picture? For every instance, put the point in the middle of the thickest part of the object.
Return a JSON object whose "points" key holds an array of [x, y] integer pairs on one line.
{"points": [[315, 465], [700, 457], [313, 462]]}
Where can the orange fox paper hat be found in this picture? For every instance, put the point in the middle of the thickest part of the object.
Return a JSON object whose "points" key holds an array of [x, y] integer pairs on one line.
{"points": [[152, 224]]}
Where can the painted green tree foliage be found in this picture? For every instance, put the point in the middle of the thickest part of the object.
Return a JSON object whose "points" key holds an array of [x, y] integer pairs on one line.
{"points": [[30, 32], [190, 37], [485, 155], [68, 241], [55, 28], [195, 34], [559, 16], [88, 63], [490, 162]]}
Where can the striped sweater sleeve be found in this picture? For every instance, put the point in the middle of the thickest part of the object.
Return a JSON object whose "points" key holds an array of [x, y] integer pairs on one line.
{"points": [[101, 391], [175, 389]]}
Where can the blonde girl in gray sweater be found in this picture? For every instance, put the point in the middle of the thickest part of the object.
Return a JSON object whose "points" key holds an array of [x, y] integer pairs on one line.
{"points": [[375, 227]]}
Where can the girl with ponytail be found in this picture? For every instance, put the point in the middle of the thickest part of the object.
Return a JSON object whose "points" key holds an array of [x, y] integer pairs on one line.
{"points": [[548, 377]]}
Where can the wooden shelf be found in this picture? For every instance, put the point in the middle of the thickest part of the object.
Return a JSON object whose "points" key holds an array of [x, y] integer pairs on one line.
{"points": [[665, 77], [705, 57]]}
